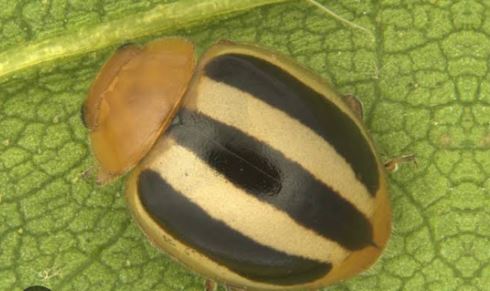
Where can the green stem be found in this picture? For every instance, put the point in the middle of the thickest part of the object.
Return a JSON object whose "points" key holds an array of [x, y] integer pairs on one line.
{"points": [[166, 17]]}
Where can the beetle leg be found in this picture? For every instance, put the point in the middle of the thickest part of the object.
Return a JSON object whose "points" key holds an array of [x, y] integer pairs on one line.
{"points": [[355, 105], [232, 288], [82, 116], [125, 45], [210, 285], [392, 164]]}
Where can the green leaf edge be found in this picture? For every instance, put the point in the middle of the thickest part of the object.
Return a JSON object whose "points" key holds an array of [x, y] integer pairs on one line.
{"points": [[162, 18]]}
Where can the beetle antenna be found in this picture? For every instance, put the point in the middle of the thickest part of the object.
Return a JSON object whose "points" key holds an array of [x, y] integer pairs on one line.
{"points": [[340, 18]]}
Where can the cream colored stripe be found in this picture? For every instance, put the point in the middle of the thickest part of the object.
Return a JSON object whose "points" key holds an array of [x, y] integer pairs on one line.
{"points": [[241, 211], [295, 140]]}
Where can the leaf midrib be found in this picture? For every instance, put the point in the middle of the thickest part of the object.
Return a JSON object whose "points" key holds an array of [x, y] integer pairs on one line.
{"points": [[161, 18]]}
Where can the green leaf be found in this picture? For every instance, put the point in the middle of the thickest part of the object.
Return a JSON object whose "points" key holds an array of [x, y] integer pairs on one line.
{"points": [[423, 80]]}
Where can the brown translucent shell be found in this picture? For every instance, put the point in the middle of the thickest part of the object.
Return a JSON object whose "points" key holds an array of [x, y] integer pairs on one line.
{"points": [[134, 99]]}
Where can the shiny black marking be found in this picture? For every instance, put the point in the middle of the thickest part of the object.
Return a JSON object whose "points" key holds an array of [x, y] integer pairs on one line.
{"points": [[283, 91], [267, 171], [247, 169], [192, 226]]}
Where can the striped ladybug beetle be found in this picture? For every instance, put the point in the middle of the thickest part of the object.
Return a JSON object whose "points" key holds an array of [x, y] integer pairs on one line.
{"points": [[255, 172]]}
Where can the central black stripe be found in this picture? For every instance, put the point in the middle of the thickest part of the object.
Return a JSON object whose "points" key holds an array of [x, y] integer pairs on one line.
{"points": [[281, 90], [273, 178], [188, 223]]}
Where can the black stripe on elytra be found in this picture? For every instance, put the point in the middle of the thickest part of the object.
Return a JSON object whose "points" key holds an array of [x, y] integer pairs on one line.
{"points": [[192, 226], [283, 91], [273, 178]]}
